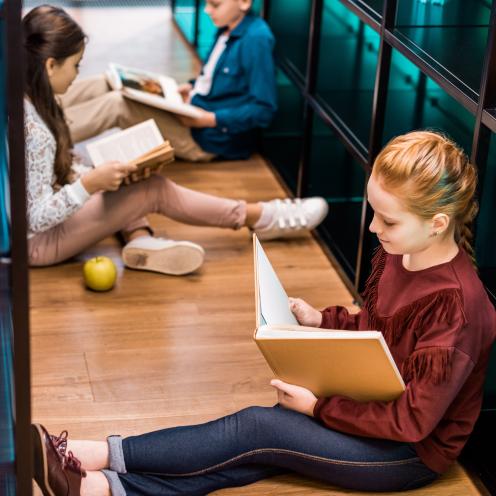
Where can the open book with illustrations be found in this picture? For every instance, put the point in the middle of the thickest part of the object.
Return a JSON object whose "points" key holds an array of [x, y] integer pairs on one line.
{"points": [[149, 88], [141, 144], [356, 364]]}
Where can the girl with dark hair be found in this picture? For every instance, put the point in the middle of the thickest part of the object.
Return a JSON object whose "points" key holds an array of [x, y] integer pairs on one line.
{"points": [[423, 294], [71, 205]]}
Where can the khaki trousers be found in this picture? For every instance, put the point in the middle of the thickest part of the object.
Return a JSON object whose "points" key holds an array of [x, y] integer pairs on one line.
{"points": [[91, 107]]}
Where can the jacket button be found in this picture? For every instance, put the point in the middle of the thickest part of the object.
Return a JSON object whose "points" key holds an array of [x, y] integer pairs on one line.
{"points": [[224, 129], [226, 70]]}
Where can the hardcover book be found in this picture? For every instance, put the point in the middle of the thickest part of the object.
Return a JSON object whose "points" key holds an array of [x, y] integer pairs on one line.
{"points": [[356, 364]]}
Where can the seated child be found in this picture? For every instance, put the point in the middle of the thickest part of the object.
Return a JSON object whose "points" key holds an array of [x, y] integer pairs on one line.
{"points": [[72, 206], [235, 92], [423, 294]]}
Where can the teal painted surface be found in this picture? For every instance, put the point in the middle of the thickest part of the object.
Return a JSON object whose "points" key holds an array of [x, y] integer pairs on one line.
{"points": [[486, 228], [347, 66], [452, 13], [7, 453], [184, 13], [207, 29], [290, 22], [407, 110], [282, 141], [4, 173], [455, 35], [336, 176], [206, 32]]}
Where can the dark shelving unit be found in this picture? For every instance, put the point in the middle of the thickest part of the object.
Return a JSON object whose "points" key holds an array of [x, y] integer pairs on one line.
{"points": [[15, 391], [355, 73]]}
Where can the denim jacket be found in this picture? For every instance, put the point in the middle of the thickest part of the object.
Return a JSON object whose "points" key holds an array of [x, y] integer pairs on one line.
{"points": [[243, 92]]}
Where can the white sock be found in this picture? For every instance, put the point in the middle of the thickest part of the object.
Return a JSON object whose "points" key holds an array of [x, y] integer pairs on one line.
{"points": [[268, 210]]}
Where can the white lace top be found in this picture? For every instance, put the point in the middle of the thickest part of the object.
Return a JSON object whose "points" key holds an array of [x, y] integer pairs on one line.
{"points": [[46, 207]]}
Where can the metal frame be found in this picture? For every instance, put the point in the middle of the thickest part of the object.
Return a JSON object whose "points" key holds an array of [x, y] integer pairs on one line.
{"points": [[311, 80], [19, 269], [365, 246], [483, 108]]}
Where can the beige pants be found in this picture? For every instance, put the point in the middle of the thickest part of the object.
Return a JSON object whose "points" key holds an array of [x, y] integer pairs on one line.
{"points": [[124, 210], [91, 107]]}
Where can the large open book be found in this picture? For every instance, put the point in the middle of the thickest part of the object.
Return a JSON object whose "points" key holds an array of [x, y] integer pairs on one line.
{"points": [[149, 88], [141, 144], [357, 364]]}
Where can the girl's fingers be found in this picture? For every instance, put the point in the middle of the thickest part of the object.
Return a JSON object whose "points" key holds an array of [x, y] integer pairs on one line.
{"points": [[281, 386]]}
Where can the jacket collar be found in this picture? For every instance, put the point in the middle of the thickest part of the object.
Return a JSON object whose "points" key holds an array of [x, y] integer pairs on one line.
{"points": [[240, 29]]}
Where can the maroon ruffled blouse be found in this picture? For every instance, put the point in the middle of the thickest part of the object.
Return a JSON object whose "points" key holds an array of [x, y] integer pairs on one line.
{"points": [[439, 325]]}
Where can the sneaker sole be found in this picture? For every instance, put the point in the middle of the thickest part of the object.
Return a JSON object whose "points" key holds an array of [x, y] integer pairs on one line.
{"points": [[180, 259], [40, 465]]}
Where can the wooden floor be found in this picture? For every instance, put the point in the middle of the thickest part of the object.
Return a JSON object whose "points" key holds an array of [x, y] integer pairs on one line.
{"points": [[160, 351]]}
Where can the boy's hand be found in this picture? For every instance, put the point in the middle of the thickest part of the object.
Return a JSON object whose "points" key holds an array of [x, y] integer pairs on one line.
{"points": [[295, 398], [205, 119], [184, 90], [305, 314], [107, 177]]}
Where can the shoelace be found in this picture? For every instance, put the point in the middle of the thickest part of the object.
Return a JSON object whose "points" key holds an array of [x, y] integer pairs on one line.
{"points": [[70, 462], [289, 212], [60, 442]]}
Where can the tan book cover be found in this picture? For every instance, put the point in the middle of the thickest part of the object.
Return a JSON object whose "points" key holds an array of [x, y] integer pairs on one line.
{"points": [[356, 364]]}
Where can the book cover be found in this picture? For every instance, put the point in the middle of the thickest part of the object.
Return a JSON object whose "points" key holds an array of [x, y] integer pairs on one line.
{"points": [[356, 364]]}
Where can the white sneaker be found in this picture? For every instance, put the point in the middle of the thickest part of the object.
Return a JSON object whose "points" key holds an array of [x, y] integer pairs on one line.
{"points": [[292, 217], [163, 255]]}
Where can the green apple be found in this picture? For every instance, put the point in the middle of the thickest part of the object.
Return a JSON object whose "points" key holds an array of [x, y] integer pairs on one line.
{"points": [[100, 273]]}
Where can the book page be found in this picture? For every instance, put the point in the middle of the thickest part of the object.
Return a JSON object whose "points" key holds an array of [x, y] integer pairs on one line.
{"points": [[274, 305], [313, 333], [150, 88], [126, 145]]}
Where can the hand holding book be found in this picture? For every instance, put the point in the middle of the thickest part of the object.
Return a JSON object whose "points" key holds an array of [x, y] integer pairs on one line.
{"points": [[294, 397], [107, 177], [305, 314]]}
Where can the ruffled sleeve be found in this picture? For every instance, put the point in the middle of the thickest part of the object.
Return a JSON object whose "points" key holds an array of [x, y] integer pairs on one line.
{"points": [[434, 373], [46, 207]]}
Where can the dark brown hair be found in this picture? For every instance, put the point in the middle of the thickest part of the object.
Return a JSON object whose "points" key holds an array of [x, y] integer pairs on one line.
{"points": [[49, 32]]}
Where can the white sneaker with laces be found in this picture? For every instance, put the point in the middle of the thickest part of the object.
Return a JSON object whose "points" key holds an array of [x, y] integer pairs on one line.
{"points": [[293, 216], [163, 255]]}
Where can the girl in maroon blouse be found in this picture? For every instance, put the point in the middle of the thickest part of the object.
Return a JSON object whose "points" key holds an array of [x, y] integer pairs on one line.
{"points": [[424, 296]]}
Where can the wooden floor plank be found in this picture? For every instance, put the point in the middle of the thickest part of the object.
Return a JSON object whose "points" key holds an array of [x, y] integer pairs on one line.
{"points": [[160, 351]]}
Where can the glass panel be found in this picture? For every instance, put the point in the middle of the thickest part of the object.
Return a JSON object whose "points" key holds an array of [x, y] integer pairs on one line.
{"points": [[372, 7], [334, 175], [282, 141], [207, 29], [7, 454], [446, 13], [206, 32], [290, 23], [454, 34], [414, 101], [347, 65], [184, 13], [486, 227]]}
